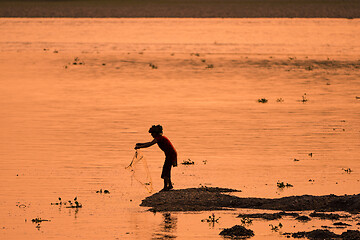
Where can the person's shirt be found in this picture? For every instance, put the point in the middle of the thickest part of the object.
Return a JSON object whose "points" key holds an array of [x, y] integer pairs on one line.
{"points": [[166, 146]]}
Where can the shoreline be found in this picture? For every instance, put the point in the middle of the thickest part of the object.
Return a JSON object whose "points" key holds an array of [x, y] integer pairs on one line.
{"points": [[181, 9]]}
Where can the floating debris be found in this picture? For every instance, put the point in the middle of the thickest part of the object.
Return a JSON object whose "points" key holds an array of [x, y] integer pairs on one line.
{"points": [[77, 205], [347, 170], [275, 228], [279, 100], [210, 66], [283, 185], [39, 220], [77, 61], [105, 191], [262, 100], [153, 66], [70, 204], [304, 99], [211, 219], [188, 162], [246, 221]]}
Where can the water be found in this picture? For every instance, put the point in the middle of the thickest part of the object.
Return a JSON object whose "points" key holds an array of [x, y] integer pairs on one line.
{"points": [[69, 130]]}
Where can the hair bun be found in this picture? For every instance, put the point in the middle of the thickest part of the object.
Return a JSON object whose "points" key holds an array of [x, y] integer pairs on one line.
{"points": [[156, 129]]}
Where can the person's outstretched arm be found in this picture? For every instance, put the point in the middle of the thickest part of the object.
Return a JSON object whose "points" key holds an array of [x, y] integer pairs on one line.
{"points": [[145, 145]]}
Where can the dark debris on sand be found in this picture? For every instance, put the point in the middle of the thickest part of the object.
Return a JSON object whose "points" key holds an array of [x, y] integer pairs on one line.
{"points": [[330, 216], [237, 231], [209, 198], [303, 218], [266, 216], [326, 234]]}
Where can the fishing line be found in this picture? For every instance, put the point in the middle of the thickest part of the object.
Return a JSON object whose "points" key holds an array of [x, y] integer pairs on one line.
{"points": [[140, 172]]}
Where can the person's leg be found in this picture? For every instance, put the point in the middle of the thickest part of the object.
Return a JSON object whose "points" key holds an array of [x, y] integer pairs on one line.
{"points": [[166, 175], [165, 184], [170, 186]]}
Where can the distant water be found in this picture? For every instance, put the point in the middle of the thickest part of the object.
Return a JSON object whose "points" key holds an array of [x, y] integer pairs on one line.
{"points": [[77, 94]]}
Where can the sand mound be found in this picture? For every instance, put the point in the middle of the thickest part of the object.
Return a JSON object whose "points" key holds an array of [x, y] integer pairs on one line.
{"points": [[205, 199], [237, 231]]}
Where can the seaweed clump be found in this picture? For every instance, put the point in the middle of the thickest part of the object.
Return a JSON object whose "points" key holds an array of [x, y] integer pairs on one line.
{"points": [[237, 231]]}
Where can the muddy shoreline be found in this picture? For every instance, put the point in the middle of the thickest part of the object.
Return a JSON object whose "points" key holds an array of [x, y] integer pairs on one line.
{"points": [[182, 9], [207, 199]]}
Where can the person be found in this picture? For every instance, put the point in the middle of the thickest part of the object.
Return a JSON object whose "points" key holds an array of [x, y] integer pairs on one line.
{"points": [[169, 150]]}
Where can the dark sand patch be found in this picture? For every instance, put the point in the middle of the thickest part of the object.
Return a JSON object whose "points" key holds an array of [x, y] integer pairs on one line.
{"points": [[237, 231], [341, 224], [182, 8], [330, 216], [326, 234], [303, 218], [205, 199], [267, 216]]}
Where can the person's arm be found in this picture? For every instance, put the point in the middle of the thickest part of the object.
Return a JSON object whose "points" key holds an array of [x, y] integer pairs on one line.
{"points": [[145, 145]]}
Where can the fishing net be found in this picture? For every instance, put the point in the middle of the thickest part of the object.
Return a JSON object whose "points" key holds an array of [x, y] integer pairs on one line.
{"points": [[139, 171]]}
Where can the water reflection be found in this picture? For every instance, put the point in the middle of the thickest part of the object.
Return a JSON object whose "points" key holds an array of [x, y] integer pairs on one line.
{"points": [[167, 228]]}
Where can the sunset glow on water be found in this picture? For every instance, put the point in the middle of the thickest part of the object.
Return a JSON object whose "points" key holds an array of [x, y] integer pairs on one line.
{"points": [[77, 94]]}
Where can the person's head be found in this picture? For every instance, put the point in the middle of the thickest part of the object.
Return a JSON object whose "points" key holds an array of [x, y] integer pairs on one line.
{"points": [[156, 130]]}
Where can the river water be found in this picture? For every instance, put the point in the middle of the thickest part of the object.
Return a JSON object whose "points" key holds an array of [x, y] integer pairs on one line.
{"points": [[77, 94]]}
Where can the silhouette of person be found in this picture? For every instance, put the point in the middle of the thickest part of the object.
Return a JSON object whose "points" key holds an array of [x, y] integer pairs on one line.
{"points": [[170, 153]]}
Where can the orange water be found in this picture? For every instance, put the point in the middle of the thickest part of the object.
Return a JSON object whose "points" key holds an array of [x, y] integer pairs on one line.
{"points": [[68, 130]]}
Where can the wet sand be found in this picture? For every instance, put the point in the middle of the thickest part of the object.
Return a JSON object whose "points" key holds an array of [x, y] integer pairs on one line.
{"points": [[183, 9], [207, 199]]}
